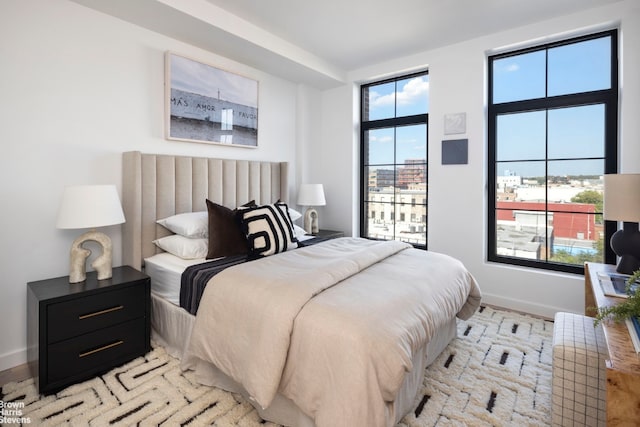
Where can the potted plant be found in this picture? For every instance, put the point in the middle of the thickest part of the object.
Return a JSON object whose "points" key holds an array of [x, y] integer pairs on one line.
{"points": [[628, 308]]}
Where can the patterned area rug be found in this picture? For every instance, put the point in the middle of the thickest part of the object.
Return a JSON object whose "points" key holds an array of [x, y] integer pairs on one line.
{"points": [[496, 373]]}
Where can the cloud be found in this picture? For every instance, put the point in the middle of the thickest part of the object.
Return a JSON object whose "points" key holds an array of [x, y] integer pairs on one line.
{"points": [[382, 139], [414, 90], [512, 67], [378, 100]]}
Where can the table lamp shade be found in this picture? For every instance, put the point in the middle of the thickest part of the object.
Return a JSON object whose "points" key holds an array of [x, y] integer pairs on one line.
{"points": [[89, 206], [622, 203], [622, 197], [311, 195]]}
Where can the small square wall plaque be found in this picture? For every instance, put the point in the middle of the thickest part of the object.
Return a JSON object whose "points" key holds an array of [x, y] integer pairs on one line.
{"points": [[455, 123], [455, 152]]}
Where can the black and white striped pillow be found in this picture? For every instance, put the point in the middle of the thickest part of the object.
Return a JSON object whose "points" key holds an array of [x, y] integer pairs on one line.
{"points": [[269, 229]]}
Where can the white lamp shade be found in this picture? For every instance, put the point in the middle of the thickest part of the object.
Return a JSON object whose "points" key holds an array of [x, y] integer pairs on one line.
{"points": [[90, 206], [622, 197], [311, 195]]}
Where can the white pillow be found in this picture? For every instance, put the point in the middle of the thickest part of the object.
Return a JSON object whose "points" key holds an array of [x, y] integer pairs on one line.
{"points": [[184, 247], [189, 224], [294, 214], [300, 232]]}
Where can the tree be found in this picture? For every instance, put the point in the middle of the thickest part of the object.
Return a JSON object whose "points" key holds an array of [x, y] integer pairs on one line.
{"points": [[589, 197], [565, 257]]}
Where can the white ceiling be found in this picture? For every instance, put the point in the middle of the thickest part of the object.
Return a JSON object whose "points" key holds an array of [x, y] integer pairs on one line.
{"points": [[355, 33], [318, 42]]}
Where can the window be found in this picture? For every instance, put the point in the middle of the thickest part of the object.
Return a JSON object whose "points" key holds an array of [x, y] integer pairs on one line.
{"points": [[552, 136], [394, 159]]}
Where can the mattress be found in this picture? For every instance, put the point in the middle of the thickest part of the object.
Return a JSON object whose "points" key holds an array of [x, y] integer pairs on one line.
{"points": [[165, 271]]}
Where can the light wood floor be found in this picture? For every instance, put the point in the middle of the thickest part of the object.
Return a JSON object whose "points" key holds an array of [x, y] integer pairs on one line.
{"points": [[17, 373]]}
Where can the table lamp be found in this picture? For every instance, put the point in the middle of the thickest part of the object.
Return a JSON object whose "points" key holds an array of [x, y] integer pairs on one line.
{"points": [[622, 203], [311, 195], [90, 206]]}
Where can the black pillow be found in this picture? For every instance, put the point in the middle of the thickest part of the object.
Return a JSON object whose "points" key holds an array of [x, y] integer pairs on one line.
{"points": [[225, 235]]}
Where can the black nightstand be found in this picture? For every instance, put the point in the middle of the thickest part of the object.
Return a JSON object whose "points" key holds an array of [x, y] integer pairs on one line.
{"points": [[328, 234], [76, 331], [321, 236]]}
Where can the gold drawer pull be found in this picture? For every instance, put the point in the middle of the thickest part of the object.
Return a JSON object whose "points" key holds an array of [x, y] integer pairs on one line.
{"points": [[98, 313], [104, 347]]}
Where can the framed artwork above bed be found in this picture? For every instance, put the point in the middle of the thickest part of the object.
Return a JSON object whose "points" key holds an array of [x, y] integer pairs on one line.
{"points": [[209, 105]]}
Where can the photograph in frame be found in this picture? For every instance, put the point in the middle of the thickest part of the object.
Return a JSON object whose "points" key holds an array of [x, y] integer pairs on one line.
{"points": [[209, 105]]}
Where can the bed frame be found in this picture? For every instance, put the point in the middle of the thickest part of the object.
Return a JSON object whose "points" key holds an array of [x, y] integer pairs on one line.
{"points": [[156, 186]]}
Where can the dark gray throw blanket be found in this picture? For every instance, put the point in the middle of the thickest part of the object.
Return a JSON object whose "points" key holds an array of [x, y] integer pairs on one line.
{"points": [[195, 277]]}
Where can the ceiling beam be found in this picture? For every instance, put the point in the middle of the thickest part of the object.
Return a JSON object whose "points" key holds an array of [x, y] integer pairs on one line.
{"points": [[202, 24]]}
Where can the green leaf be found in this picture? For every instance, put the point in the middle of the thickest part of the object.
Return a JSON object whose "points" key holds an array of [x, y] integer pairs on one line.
{"points": [[624, 310]]}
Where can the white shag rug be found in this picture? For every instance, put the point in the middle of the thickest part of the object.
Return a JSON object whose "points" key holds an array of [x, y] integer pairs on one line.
{"points": [[496, 373]]}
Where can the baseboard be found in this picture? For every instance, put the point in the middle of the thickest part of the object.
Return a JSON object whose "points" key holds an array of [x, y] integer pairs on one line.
{"points": [[541, 310], [11, 360]]}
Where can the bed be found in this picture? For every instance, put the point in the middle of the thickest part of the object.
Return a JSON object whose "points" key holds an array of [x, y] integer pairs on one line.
{"points": [[285, 369]]}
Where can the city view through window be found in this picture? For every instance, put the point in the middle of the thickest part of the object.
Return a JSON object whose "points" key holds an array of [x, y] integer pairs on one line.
{"points": [[566, 226], [394, 159], [552, 137]]}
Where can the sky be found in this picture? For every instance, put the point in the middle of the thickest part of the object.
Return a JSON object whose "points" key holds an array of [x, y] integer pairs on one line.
{"points": [[412, 98], [566, 133], [576, 132]]}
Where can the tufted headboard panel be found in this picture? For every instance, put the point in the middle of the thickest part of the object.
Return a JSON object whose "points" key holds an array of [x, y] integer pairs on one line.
{"points": [[155, 186]]}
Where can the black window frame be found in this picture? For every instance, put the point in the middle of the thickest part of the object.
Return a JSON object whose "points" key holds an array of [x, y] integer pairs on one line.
{"points": [[367, 125], [608, 97]]}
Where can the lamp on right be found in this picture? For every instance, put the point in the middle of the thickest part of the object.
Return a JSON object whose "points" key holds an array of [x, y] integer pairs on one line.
{"points": [[622, 203], [311, 195]]}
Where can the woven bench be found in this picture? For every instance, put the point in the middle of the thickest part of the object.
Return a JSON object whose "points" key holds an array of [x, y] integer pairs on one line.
{"points": [[579, 372]]}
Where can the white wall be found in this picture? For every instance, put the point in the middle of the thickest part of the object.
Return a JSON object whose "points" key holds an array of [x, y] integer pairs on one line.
{"points": [[457, 194], [335, 159], [78, 89]]}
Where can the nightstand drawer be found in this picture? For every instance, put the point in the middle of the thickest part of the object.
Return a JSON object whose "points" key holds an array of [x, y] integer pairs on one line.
{"points": [[87, 313], [96, 351]]}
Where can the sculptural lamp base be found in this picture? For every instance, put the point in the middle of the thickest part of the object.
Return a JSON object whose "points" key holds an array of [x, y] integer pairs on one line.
{"points": [[79, 255], [311, 221], [626, 244]]}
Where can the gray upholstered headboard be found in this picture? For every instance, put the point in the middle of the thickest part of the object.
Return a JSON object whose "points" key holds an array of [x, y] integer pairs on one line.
{"points": [[155, 186]]}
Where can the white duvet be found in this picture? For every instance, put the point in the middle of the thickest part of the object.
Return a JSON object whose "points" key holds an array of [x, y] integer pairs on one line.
{"points": [[333, 326]]}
